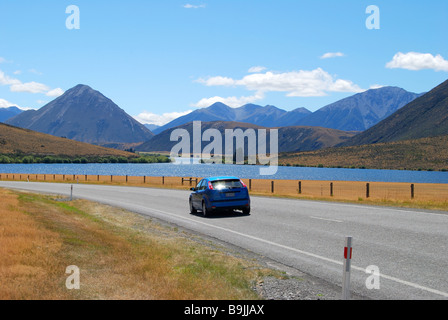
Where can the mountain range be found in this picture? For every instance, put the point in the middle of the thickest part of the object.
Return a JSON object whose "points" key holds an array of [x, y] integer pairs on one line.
{"points": [[268, 116], [426, 116], [355, 113], [85, 115], [413, 138], [361, 111], [7, 113], [290, 139], [384, 114]]}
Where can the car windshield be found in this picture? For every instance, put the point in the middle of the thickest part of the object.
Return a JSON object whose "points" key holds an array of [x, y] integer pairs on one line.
{"points": [[226, 184]]}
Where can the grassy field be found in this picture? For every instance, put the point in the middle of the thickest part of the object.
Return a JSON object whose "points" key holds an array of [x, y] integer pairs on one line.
{"points": [[421, 154], [15, 140], [120, 255], [19, 145]]}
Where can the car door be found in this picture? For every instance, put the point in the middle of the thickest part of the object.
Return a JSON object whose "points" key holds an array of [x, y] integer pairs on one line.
{"points": [[197, 195], [201, 192]]}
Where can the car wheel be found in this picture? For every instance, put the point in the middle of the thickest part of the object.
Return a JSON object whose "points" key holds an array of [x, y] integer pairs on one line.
{"points": [[204, 209], [246, 211], [192, 209]]}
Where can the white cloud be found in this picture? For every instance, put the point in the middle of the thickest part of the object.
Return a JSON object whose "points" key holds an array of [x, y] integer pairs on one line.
{"points": [[2, 60], [332, 55], [30, 87], [15, 85], [301, 83], [6, 80], [55, 92], [233, 102], [192, 6], [257, 69], [217, 81], [6, 104], [35, 72], [418, 61], [160, 120]]}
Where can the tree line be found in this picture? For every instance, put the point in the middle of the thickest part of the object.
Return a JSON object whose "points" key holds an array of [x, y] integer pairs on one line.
{"points": [[29, 159]]}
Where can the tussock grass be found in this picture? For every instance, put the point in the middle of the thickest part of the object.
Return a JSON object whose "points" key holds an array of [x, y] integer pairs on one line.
{"points": [[418, 154], [14, 140], [120, 255]]}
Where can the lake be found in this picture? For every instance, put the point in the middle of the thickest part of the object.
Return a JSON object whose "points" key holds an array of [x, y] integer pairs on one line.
{"points": [[242, 171]]}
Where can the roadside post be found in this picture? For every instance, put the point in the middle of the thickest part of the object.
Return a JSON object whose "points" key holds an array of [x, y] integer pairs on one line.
{"points": [[346, 270], [71, 193]]}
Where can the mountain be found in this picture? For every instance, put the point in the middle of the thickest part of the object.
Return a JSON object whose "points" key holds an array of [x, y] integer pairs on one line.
{"points": [[86, 115], [15, 140], [360, 111], [291, 139], [8, 113], [151, 127], [300, 138], [293, 117], [262, 116], [356, 113], [268, 116], [426, 116], [419, 154], [216, 112]]}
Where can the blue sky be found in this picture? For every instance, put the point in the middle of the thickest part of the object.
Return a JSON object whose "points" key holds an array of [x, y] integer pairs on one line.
{"points": [[160, 59]]}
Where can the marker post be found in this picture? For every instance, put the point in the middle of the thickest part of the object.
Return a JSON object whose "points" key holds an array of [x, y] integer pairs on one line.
{"points": [[346, 270]]}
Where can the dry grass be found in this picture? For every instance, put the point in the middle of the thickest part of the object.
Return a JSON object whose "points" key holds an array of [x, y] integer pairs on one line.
{"points": [[426, 195], [421, 154], [120, 255], [15, 140], [27, 252]]}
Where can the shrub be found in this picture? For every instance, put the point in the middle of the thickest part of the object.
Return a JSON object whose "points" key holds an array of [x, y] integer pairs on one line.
{"points": [[47, 160], [123, 160], [5, 159], [28, 159]]}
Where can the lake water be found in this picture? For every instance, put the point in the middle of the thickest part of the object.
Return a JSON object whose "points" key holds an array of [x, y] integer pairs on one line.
{"points": [[242, 171]]}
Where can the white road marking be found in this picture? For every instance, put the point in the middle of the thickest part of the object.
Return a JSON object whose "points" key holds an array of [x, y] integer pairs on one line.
{"points": [[404, 282], [325, 219]]}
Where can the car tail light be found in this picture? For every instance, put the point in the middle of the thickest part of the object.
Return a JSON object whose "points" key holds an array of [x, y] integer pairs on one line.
{"points": [[244, 185], [210, 186]]}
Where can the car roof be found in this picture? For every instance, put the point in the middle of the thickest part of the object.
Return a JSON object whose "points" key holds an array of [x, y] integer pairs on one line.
{"points": [[222, 178]]}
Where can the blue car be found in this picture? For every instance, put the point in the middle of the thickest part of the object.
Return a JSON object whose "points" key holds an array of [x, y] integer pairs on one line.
{"points": [[219, 193]]}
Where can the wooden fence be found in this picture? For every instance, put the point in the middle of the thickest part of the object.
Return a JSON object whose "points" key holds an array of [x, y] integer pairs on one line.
{"points": [[343, 190]]}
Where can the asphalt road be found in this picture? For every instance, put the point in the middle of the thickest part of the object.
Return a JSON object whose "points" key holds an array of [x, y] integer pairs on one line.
{"points": [[407, 247]]}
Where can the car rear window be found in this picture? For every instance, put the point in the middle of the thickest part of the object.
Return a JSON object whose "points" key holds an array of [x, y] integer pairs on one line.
{"points": [[226, 184]]}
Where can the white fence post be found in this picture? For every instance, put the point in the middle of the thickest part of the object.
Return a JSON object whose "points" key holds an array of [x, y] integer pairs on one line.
{"points": [[346, 271]]}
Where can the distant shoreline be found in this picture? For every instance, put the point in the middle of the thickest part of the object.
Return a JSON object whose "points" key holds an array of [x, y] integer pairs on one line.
{"points": [[53, 159]]}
